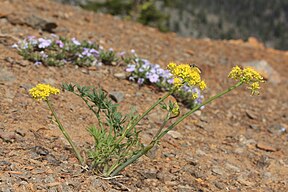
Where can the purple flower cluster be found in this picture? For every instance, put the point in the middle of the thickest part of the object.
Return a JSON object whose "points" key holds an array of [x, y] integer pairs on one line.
{"points": [[88, 52], [75, 41], [31, 41], [186, 89], [44, 43], [59, 43], [142, 71], [58, 51]]}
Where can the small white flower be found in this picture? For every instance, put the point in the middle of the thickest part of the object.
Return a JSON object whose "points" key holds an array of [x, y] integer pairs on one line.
{"points": [[15, 46]]}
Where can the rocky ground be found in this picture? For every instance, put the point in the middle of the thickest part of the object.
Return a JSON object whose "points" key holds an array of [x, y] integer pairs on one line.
{"points": [[237, 143]]}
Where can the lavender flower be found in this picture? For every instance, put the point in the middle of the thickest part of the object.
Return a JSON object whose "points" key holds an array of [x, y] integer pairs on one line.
{"points": [[121, 54], [60, 43], [15, 46], [199, 100], [38, 63], [54, 35], [43, 55], [146, 66], [32, 40], [86, 52], [170, 81], [43, 43], [131, 68], [31, 37], [196, 90], [145, 62], [131, 78], [166, 75], [75, 41], [186, 88], [153, 78], [23, 45], [94, 52], [140, 81]]}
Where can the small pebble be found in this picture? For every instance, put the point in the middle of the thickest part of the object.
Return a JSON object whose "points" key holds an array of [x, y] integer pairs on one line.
{"points": [[120, 75]]}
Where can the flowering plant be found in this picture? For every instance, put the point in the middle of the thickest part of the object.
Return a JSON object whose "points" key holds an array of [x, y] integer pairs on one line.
{"points": [[144, 72], [117, 144], [58, 51], [42, 92]]}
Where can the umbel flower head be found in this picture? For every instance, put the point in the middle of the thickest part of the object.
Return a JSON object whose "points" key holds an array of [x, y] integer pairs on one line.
{"points": [[248, 76], [42, 91], [185, 74]]}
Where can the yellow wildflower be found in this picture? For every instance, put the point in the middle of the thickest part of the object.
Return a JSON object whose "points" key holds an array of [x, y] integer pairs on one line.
{"points": [[171, 66], [248, 76], [202, 85], [235, 73], [187, 74], [176, 111], [254, 88], [42, 91], [177, 82]]}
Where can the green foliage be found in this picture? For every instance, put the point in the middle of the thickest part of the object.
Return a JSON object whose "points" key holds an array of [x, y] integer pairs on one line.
{"points": [[115, 139], [144, 12], [150, 15], [108, 57], [59, 50], [113, 7]]}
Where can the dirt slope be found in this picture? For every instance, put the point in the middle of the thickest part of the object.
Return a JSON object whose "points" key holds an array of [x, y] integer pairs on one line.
{"points": [[237, 143]]}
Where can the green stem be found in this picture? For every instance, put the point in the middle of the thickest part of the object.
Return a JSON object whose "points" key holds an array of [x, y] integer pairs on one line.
{"points": [[162, 126], [91, 108], [130, 126], [151, 145], [132, 159], [111, 169], [198, 107], [79, 157], [152, 107]]}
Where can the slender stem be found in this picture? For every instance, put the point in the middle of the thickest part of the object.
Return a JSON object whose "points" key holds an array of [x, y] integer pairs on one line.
{"points": [[162, 126], [79, 157], [111, 169], [91, 108], [151, 145], [198, 107], [132, 159], [152, 107], [146, 149]]}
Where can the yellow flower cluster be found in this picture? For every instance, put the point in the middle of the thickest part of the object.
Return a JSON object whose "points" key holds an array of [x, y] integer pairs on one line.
{"points": [[184, 73], [42, 91], [248, 76]]}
